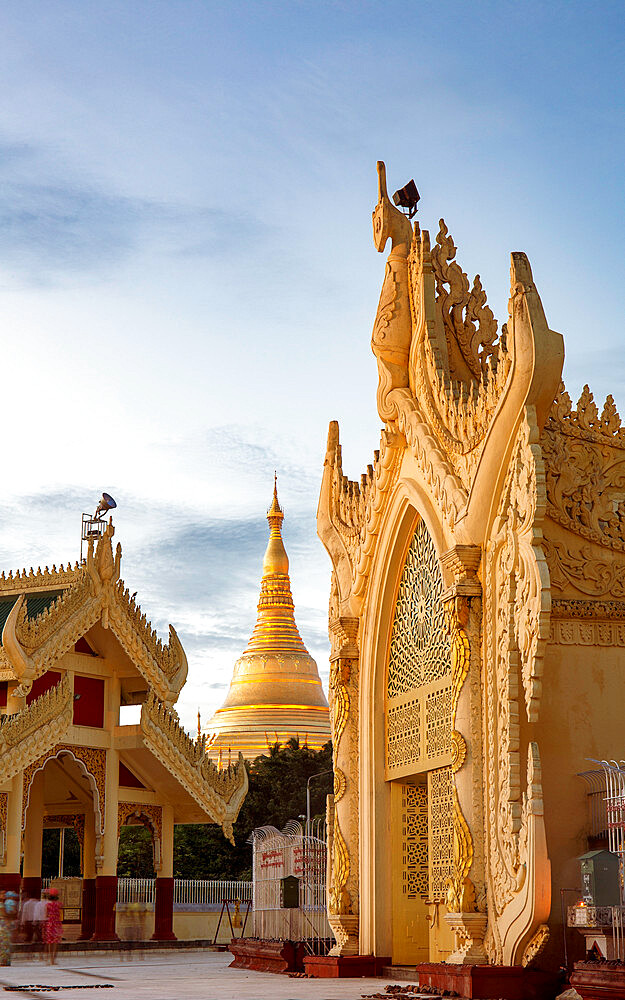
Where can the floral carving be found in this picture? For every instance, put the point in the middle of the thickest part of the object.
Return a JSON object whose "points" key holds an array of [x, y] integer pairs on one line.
{"points": [[4, 803], [150, 816], [339, 898], [94, 763], [585, 465], [517, 624], [593, 575], [469, 324], [536, 945], [522, 568], [340, 784]]}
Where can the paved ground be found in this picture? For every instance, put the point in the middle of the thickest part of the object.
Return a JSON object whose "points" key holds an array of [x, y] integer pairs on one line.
{"points": [[191, 975]]}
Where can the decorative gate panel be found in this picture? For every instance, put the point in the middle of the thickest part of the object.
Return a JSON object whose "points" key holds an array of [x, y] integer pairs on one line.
{"points": [[415, 841], [441, 831], [418, 690]]}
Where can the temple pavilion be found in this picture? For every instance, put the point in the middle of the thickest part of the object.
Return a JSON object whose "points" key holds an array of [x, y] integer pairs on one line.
{"points": [[275, 693], [76, 647]]}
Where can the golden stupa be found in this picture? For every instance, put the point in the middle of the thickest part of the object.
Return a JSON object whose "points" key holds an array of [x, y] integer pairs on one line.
{"points": [[275, 693]]}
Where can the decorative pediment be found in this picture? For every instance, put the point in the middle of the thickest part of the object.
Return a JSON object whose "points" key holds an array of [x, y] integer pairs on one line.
{"points": [[31, 645], [36, 729], [220, 793]]}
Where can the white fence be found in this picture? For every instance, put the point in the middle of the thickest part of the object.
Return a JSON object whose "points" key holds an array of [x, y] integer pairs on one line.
{"points": [[188, 891]]}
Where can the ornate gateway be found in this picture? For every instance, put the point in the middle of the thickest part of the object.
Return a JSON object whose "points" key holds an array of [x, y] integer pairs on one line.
{"points": [[477, 605]]}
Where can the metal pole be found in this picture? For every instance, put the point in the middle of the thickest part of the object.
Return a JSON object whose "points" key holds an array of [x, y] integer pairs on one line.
{"points": [[563, 911], [317, 775], [61, 850]]}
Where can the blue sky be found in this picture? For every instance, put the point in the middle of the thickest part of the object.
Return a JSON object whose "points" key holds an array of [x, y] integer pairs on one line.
{"points": [[187, 275]]}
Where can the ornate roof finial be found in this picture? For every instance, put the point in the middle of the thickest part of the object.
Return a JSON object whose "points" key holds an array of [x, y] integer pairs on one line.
{"points": [[199, 726], [276, 559]]}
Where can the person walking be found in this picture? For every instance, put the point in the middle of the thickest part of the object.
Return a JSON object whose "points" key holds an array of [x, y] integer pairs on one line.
{"points": [[8, 913], [53, 928], [27, 918], [39, 921]]}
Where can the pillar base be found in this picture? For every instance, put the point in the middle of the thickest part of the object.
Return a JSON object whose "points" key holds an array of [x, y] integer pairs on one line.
{"points": [[164, 910], [105, 899], [344, 966], [345, 929], [488, 982], [469, 930], [595, 980]]}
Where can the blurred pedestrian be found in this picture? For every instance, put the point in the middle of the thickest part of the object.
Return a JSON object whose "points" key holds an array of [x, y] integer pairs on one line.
{"points": [[27, 918], [8, 913], [39, 919], [53, 928]]}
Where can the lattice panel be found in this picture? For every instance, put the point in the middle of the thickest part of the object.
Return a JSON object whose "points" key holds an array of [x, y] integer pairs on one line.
{"points": [[415, 841], [438, 722], [419, 641], [441, 830], [403, 734]]}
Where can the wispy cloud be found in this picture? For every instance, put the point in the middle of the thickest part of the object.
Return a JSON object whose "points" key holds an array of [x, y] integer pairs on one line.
{"points": [[52, 224]]}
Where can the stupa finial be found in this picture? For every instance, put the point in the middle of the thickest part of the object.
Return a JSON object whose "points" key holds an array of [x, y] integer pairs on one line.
{"points": [[276, 559]]}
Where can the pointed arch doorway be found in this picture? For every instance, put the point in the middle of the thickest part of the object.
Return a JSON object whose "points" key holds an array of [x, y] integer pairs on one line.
{"points": [[60, 791], [417, 749]]}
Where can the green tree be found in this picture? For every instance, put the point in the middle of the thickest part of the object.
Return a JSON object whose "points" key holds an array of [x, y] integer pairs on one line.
{"points": [[277, 793], [135, 857]]}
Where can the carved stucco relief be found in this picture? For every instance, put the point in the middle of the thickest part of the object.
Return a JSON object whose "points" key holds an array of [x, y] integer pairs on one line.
{"points": [[516, 630]]}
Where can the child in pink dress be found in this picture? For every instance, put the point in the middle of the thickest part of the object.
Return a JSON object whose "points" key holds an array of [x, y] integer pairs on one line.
{"points": [[53, 928]]}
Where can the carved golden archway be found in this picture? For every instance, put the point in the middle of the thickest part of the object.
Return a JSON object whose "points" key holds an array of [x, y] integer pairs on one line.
{"points": [[148, 816], [418, 746], [91, 762]]}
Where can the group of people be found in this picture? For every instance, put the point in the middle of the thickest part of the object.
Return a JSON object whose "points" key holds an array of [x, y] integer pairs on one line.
{"points": [[39, 921]]}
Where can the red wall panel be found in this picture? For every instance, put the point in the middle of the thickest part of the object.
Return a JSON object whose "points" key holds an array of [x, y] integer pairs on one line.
{"points": [[48, 680], [88, 701]]}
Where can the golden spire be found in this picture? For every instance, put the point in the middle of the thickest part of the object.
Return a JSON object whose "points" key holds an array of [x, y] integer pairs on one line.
{"points": [[276, 559], [275, 626], [275, 685]]}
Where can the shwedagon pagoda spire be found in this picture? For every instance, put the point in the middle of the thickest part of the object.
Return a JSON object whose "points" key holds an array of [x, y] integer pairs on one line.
{"points": [[275, 692]]}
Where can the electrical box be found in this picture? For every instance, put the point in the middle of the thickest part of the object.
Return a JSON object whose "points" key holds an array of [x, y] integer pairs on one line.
{"points": [[289, 892], [600, 878]]}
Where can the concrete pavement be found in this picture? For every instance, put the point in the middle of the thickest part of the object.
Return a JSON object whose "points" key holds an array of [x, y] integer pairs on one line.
{"points": [[187, 975]]}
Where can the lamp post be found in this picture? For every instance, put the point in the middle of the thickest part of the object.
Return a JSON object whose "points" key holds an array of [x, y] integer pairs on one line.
{"points": [[317, 775]]}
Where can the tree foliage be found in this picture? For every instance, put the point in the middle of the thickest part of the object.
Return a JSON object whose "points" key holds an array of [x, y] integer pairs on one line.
{"points": [[135, 857], [277, 793]]}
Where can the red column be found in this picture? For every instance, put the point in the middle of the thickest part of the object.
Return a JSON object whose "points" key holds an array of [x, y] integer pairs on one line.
{"points": [[164, 910], [10, 881], [105, 899], [31, 887], [88, 909]]}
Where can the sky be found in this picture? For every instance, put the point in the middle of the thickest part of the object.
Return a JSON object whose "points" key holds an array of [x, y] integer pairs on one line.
{"points": [[188, 280]]}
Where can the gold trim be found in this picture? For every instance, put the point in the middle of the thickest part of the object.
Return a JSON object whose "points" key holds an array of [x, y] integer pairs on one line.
{"points": [[246, 707]]}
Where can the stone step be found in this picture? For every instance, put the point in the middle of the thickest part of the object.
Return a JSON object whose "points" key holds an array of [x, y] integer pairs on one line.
{"points": [[407, 973]]}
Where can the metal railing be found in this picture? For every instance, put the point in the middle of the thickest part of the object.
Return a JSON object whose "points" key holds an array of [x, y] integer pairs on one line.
{"points": [[188, 891], [596, 794], [607, 921], [292, 852], [199, 891], [135, 890]]}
